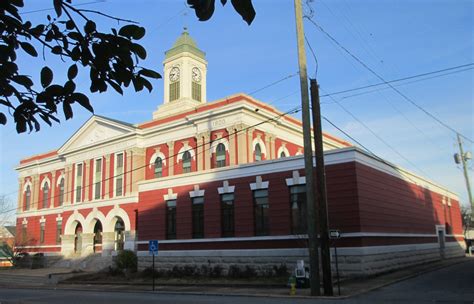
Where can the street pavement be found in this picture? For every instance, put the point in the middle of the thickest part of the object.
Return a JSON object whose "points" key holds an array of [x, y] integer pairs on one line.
{"points": [[452, 284]]}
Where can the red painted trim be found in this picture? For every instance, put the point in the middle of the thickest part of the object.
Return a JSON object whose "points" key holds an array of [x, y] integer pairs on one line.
{"points": [[38, 157]]}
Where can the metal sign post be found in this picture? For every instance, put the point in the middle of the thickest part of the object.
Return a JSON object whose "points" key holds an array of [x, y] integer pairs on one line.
{"points": [[153, 249], [334, 235]]}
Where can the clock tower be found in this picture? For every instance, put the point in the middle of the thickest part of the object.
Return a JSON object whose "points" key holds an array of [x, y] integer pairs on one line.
{"points": [[184, 77]]}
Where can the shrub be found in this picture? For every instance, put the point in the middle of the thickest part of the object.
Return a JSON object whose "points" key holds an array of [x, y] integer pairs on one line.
{"points": [[281, 271], [126, 260], [216, 271], [114, 271]]}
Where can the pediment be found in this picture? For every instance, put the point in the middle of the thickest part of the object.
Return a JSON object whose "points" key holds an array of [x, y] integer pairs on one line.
{"points": [[95, 131]]}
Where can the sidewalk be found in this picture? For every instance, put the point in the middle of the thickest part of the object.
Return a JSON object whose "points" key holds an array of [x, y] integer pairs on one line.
{"points": [[349, 288]]}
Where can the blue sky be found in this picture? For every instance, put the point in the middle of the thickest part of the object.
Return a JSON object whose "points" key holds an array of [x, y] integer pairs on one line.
{"points": [[394, 38]]}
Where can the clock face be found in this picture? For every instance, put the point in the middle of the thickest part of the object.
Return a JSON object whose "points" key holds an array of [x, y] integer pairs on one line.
{"points": [[196, 74], [174, 74]]}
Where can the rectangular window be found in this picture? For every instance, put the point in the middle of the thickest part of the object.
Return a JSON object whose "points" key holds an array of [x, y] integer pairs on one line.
{"points": [[261, 207], [61, 192], [298, 209], [227, 214], [174, 91], [59, 231], [119, 175], [198, 216], [171, 219], [78, 183], [42, 225], [196, 91], [98, 178]]}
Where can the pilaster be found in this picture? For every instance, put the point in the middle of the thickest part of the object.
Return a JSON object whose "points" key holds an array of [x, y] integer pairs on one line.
{"points": [[108, 243], [67, 244], [207, 150], [249, 145], [171, 157], [241, 144], [35, 192], [68, 183], [200, 152], [232, 151], [138, 161], [87, 244], [53, 188]]}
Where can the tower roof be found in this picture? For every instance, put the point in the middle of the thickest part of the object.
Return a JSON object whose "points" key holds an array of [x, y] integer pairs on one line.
{"points": [[185, 43]]}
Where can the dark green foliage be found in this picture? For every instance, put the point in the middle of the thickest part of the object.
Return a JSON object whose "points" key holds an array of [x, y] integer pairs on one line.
{"points": [[204, 9], [111, 58], [281, 271], [126, 260]]}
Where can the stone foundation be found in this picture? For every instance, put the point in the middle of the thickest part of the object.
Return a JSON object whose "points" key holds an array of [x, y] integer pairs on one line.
{"points": [[353, 262]]}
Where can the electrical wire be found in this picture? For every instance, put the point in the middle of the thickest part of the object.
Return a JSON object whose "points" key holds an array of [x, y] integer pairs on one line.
{"points": [[405, 97]]}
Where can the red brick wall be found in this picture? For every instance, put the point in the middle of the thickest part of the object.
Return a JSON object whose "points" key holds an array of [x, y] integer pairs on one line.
{"points": [[390, 204]]}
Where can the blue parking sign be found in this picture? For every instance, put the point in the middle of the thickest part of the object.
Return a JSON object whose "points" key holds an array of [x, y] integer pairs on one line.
{"points": [[153, 247]]}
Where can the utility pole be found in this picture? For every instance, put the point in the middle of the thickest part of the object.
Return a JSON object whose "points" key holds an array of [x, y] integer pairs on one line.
{"points": [[321, 186], [308, 156], [462, 158]]}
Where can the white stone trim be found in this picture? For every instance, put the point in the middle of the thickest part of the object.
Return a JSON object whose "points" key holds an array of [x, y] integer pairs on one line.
{"points": [[59, 218], [109, 223], [155, 156], [85, 205], [196, 192], [296, 179], [226, 188], [38, 246], [28, 183], [184, 148], [45, 181], [292, 252], [283, 149], [24, 222], [61, 177], [259, 184], [42, 220], [70, 226], [89, 222], [449, 202], [74, 195], [337, 156], [170, 195], [231, 239], [218, 141], [258, 140]]}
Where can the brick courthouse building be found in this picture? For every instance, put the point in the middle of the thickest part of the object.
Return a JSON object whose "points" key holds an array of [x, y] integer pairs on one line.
{"points": [[223, 182]]}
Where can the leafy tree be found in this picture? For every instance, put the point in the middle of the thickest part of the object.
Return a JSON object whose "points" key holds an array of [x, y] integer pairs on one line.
{"points": [[112, 59], [205, 8]]}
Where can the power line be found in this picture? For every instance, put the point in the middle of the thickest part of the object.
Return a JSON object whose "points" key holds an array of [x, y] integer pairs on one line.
{"points": [[387, 83], [376, 135], [273, 83], [275, 118], [367, 149], [409, 82], [407, 78]]}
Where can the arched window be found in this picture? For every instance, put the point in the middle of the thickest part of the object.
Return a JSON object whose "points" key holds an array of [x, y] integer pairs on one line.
{"points": [[258, 152], [158, 167], [220, 156], [282, 154], [61, 192], [27, 197], [186, 162], [45, 195]]}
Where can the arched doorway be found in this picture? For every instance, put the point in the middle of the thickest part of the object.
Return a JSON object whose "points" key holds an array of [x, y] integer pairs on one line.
{"points": [[78, 239], [98, 236], [119, 234]]}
